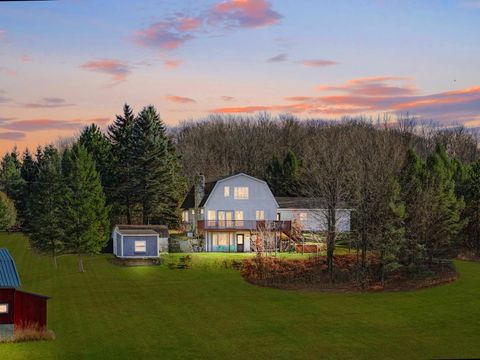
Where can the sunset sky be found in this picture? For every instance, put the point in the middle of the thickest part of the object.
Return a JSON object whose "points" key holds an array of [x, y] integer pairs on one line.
{"points": [[65, 64]]}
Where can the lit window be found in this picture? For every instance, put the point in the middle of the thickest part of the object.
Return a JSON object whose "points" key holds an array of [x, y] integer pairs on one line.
{"points": [[302, 216], [260, 215], [185, 216], [220, 239], [211, 215], [239, 215], [240, 193], [3, 308], [140, 246], [201, 211], [226, 191]]}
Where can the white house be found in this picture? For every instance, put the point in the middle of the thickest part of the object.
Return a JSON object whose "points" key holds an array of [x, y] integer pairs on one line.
{"points": [[232, 211]]}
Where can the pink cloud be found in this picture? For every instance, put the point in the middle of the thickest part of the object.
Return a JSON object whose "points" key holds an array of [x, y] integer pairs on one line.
{"points": [[118, 70], [318, 63], [12, 135], [166, 34], [172, 63], [228, 98], [8, 71], [25, 58], [179, 99], [244, 13], [49, 102], [379, 94], [48, 124]]}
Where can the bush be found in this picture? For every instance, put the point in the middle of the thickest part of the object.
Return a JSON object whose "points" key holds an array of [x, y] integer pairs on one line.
{"points": [[30, 332], [8, 214]]}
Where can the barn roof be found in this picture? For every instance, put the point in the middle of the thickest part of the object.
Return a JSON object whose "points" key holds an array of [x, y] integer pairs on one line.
{"points": [[161, 230], [8, 272]]}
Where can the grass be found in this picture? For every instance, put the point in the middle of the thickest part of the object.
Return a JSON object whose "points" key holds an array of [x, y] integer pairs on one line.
{"points": [[113, 312]]}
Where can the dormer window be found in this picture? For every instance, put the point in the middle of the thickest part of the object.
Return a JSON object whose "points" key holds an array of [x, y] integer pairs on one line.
{"points": [[240, 193], [226, 191]]}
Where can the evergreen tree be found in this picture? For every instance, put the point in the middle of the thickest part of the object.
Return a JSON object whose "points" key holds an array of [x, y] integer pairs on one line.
{"points": [[8, 215], [120, 135], [471, 193], [86, 214], [100, 148], [284, 178], [29, 174], [11, 183], [413, 197], [443, 221], [46, 207], [153, 170]]}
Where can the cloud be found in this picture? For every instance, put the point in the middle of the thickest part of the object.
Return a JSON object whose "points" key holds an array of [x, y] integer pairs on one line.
{"points": [[172, 32], [318, 63], [47, 124], [243, 13], [172, 63], [3, 35], [8, 71], [118, 70], [228, 98], [12, 135], [167, 34], [25, 58], [49, 102], [278, 58], [179, 99], [386, 94], [4, 99]]}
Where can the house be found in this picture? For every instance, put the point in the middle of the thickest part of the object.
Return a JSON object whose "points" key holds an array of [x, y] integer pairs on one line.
{"points": [[18, 308], [139, 241], [232, 213]]}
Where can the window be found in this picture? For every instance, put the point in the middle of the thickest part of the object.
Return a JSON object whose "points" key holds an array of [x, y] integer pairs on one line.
{"points": [[211, 217], [239, 218], [302, 216], [279, 217], [3, 308], [226, 191], [260, 215], [221, 239], [240, 193], [185, 216], [140, 246], [201, 211]]}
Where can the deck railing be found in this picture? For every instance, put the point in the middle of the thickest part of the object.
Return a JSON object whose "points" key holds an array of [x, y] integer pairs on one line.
{"points": [[255, 225]]}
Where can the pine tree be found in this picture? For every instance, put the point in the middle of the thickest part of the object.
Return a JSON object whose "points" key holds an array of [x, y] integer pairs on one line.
{"points": [[152, 170], [11, 183], [29, 174], [120, 135], [100, 148], [283, 178], [86, 214], [471, 193], [8, 215], [46, 205], [444, 209]]}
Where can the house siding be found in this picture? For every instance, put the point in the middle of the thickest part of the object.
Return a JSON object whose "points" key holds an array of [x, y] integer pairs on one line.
{"points": [[316, 220], [129, 246], [259, 198]]}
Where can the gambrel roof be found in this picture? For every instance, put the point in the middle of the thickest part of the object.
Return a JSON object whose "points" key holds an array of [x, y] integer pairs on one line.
{"points": [[8, 271]]}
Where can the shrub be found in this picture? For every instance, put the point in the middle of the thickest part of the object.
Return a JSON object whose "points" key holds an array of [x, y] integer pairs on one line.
{"points": [[30, 332]]}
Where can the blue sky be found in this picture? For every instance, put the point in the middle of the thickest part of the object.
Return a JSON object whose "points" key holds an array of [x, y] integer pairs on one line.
{"points": [[64, 64]]}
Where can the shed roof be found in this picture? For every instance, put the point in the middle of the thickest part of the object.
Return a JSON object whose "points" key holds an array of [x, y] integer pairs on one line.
{"points": [[8, 272], [161, 230]]}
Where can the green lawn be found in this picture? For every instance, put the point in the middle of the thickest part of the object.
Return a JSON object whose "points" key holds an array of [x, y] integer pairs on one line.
{"points": [[112, 312]]}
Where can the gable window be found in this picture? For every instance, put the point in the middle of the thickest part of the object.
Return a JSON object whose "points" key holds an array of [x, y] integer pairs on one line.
{"points": [[240, 193], [3, 308], [302, 216], [260, 215], [226, 191], [140, 246]]}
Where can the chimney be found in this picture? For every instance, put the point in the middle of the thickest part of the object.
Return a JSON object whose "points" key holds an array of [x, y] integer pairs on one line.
{"points": [[199, 188]]}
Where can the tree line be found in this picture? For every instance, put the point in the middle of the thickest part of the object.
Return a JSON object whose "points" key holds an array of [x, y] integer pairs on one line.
{"points": [[67, 198]]}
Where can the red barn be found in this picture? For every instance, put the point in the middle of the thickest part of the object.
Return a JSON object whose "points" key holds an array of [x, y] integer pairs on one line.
{"points": [[18, 308]]}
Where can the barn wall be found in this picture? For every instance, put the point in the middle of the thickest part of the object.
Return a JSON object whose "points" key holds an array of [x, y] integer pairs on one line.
{"points": [[7, 296], [129, 246], [30, 309]]}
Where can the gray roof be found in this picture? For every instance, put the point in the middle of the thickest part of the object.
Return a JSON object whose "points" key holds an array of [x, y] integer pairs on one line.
{"points": [[137, 232], [161, 230], [8, 272], [304, 203]]}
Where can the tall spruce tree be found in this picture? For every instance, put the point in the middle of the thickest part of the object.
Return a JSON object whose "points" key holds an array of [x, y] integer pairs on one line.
{"points": [[11, 182], [120, 135], [29, 174], [443, 221], [100, 148], [471, 193], [86, 221], [152, 169], [284, 178], [46, 205]]}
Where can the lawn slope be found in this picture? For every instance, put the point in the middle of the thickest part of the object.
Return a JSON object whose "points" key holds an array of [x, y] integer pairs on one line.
{"points": [[112, 312]]}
